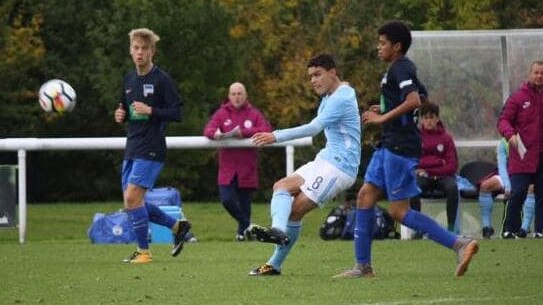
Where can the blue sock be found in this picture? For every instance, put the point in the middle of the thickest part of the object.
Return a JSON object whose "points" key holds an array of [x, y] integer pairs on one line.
{"points": [[140, 222], [427, 225], [281, 252], [281, 205], [528, 212], [485, 204], [363, 231], [158, 216]]}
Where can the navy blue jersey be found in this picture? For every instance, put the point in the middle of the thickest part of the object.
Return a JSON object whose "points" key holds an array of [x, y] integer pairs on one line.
{"points": [[401, 134], [146, 136]]}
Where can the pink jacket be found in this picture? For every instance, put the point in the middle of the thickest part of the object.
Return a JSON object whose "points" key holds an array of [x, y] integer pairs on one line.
{"points": [[438, 152], [237, 161], [523, 114]]}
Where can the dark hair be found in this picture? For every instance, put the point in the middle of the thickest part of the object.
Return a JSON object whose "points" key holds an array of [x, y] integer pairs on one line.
{"points": [[325, 61], [397, 31], [429, 108]]}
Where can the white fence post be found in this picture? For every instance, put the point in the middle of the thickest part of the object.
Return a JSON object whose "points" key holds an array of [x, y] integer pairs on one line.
{"points": [[21, 170], [289, 151]]}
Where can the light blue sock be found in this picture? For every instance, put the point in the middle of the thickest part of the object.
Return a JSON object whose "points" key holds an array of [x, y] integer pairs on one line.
{"points": [[140, 221], [363, 235], [425, 224], [528, 212], [281, 205], [485, 204], [281, 252]]}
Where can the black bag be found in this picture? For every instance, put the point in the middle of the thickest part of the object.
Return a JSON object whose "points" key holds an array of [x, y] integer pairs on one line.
{"points": [[332, 227], [341, 220], [385, 226]]}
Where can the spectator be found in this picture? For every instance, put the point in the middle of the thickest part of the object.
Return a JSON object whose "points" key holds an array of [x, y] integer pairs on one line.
{"points": [[521, 123], [438, 163], [238, 167]]}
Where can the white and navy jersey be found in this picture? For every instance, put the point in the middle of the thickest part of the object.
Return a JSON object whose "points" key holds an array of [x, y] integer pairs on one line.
{"points": [[338, 115], [146, 136], [401, 134]]}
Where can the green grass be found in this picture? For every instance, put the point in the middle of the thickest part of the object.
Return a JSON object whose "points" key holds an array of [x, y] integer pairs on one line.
{"points": [[58, 265]]}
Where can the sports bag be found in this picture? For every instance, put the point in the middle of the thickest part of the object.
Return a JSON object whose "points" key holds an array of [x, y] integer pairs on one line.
{"points": [[341, 221], [334, 223], [111, 228], [163, 196]]}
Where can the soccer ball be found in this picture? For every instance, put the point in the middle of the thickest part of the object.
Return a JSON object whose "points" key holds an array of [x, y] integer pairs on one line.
{"points": [[57, 95]]}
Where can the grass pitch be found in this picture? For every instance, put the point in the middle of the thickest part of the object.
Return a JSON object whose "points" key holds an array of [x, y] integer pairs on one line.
{"points": [[58, 265]]}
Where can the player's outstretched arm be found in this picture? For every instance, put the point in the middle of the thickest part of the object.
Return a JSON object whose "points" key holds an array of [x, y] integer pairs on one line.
{"points": [[263, 138]]}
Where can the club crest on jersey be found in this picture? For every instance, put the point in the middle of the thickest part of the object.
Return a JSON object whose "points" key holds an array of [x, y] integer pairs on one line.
{"points": [[247, 124], [148, 89], [440, 147]]}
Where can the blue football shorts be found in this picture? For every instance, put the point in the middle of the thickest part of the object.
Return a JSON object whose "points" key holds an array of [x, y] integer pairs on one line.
{"points": [[394, 174], [140, 172]]}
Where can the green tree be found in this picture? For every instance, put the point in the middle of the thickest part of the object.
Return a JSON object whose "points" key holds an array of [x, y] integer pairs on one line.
{"points": [[91, 53], [23, 53]]}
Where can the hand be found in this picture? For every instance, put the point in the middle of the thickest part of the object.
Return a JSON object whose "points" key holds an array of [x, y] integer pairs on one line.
{"points": [[421, 173], [372, 117], [238, 134], [513, 141], [119, 114], [141, 108], [217, 135], [263, 138]]}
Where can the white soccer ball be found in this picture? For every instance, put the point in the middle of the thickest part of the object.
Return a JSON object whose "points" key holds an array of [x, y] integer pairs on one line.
{"points": [[57, 95]]}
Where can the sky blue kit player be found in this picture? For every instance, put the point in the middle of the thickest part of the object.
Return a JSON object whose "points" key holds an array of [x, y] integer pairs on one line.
{"points": [[333, 170], [149, 100], [391, 171]]}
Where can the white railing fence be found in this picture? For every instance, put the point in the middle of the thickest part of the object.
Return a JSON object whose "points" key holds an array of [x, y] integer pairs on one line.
{"points": [[22, 145]]}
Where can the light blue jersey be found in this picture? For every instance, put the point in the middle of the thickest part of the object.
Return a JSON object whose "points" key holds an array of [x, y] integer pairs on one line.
{"points": [[338, 116]]}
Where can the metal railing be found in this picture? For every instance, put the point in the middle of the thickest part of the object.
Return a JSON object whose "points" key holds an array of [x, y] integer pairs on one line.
{"points": [[22, 145]]}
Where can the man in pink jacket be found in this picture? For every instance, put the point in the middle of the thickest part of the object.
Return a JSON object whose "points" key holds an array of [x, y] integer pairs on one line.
{"points": [[238, 167], [521, 123], [438, 162]]}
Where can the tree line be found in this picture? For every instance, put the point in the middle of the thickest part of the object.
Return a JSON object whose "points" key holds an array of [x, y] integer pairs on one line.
{"points": [[205, 45]]}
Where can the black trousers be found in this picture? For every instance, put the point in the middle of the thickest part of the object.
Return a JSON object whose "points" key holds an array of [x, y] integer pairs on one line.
{"points": [[445, 184], [237, 201], [519, 189]]}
